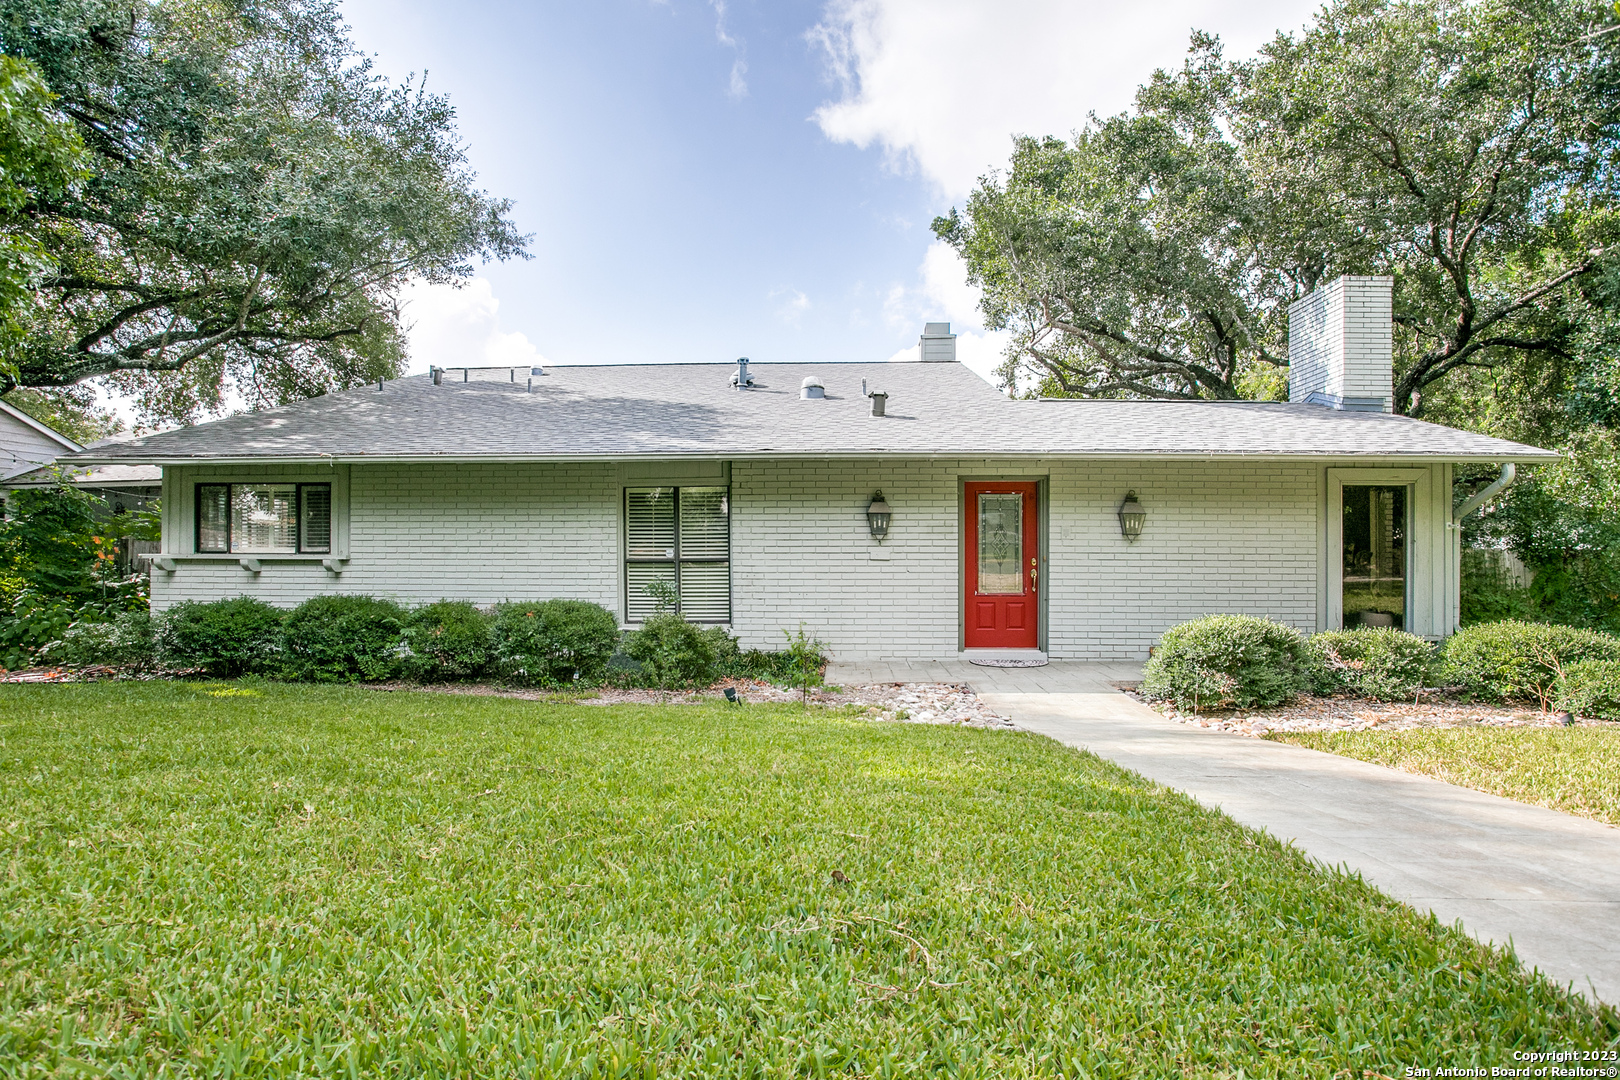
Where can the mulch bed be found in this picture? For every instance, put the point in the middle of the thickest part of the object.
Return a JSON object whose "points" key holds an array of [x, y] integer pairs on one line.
{"points": [[1434, 709]]}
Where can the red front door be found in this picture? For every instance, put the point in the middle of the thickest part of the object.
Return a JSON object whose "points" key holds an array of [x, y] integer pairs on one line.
{"points": [[1002, 566]]}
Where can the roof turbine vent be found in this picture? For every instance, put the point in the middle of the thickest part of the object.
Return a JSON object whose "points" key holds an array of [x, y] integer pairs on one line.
{"points": [[741, 379], [812, 388]]}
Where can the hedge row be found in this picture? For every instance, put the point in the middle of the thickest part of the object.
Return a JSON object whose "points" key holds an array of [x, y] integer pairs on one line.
{"points": [[1227, 661], [350, 638]]}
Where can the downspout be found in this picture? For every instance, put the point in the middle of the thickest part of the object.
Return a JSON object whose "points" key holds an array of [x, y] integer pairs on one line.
{"points": [[1510, 473]]}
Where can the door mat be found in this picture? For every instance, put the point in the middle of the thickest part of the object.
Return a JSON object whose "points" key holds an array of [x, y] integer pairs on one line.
{"points": [[1008, 663]]}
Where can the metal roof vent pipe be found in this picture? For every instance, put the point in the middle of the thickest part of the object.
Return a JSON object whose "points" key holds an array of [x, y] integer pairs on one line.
{"points": [[741, 379], [438, 375], [811, 388], [880, 400]]}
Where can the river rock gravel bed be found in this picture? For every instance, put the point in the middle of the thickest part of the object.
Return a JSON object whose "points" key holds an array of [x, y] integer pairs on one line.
{"points": [[914, 703]]}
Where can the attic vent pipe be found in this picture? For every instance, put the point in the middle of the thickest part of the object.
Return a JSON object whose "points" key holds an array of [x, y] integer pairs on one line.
{"points": [[879, 399], [438, 376], [742, 380]]}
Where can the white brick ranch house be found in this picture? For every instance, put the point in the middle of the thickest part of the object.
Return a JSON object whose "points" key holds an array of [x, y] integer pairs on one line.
{"points": [[1010, 527]]}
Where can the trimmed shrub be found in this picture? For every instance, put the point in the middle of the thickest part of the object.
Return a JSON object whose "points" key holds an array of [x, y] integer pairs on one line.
{"points": [[673, 650], [343, 639], [554, 643], [225, 637], [1521, 661], [1372, 662], [1591, 688], [1221, 661], [724, 646], [449, 640], [126, 642]]}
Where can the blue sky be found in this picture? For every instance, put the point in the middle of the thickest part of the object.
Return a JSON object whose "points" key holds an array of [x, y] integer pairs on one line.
{"points": [[706, 180]]}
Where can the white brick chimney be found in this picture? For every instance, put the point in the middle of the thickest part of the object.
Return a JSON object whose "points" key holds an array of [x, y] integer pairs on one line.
{"points": [[1340, 345], [937, 343]]}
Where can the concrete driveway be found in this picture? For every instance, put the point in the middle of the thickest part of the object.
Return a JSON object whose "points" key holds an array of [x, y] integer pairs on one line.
{"points": [[1547, 882]]}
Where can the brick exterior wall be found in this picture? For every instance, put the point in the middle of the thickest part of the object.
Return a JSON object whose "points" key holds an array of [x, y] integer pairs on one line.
{"points": [[1220, 537]]}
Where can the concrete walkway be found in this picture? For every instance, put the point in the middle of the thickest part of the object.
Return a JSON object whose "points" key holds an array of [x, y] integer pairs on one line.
{"points": [[1547, 882]]}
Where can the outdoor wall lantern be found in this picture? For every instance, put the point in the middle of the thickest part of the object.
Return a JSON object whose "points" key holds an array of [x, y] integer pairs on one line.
{"points": [[877, 517], [1132, 516]]}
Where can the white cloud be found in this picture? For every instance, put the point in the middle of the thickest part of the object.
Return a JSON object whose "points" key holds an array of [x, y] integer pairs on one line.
{"points": [[942, 85], [451, 327], [738, 87], [793, 305], [945, 295]]}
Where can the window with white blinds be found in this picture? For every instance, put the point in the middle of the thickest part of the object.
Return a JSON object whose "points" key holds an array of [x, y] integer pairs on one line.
{"points": [[680, 536], [264, 519]]}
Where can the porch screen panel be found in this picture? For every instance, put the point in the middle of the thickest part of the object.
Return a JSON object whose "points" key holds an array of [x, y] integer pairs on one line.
{"points": [[681, 536]]}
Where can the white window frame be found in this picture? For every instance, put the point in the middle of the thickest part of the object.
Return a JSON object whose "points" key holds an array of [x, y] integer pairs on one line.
{"points": [[1419, 567], [180, 509]]}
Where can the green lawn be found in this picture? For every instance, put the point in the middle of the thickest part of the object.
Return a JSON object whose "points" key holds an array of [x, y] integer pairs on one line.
{"points": [[1576, 770], [272, 880]]}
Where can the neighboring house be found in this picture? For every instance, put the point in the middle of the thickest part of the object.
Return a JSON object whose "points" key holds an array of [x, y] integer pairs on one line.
{"points": [[29, 450], [26, 444], [1079, 528]]}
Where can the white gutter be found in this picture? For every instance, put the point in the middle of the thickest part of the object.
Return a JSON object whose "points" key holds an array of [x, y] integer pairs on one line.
{"points": [[1510, 473], [1379, 457]]}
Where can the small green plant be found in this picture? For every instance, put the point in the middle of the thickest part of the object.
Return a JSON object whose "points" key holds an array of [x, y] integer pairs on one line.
{"points": [[125, 642], [674, 652], [1591, 688], [664, 595], [1521, 661], [447, 641], [554, 643], [1372, 662], [343, 639], [34, 621], [806, 662], [225, 638], [1221, 661]]}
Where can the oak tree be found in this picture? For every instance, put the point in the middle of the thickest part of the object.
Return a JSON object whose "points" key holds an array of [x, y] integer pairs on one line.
{"points": [[256, 197]]}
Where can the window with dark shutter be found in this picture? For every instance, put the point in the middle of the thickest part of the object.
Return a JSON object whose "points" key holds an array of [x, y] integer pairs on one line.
{"points": [[264, 519], [681, 537]]}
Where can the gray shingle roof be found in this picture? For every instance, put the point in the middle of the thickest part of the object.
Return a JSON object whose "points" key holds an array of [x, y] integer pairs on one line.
{"points": [[690, 410]]}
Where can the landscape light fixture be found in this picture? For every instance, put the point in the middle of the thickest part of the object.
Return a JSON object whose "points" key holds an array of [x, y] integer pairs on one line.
{"points": [[877, 517], [1132, 516]]}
